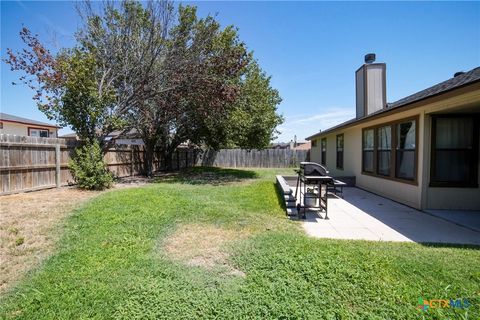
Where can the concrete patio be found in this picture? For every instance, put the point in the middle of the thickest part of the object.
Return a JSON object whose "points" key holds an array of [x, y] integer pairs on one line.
{"points": [[364, 215]]}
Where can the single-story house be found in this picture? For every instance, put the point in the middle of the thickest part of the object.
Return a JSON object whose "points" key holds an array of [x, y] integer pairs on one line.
{"points": [[116, 137], [292, 145], [10, 124], [422, 150], [120, 138], [302, 145], [279, 145]]}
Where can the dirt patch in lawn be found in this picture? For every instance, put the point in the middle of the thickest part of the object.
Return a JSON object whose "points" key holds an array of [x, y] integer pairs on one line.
{"points": [[203, 245]]}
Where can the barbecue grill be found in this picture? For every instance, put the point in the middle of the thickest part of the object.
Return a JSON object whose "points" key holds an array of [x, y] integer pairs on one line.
{"points": [[312, 187]]}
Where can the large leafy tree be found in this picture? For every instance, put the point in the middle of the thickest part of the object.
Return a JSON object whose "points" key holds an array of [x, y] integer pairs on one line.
{"points": [[87, 104], [204, 66], [253, 121], [129, 41], [170, 85], [68, 87], [173, 80]]}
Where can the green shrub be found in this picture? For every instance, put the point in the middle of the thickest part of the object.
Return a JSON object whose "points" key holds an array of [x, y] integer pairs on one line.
{"points": [[88, 168]]}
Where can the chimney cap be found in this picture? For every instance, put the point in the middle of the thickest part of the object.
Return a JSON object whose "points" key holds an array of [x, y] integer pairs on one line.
{"points": [[370, 58], [459, 73]]}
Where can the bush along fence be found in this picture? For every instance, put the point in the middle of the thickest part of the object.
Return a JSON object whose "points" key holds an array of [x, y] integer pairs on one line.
{"points": [[33, 163]]}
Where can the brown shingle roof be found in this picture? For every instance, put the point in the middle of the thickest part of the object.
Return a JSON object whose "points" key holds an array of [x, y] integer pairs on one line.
{"points": [[450, 84]]}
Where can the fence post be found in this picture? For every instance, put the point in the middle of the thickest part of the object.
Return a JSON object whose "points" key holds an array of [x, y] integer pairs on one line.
{"points": [[57, 165], [178, 160], [131, 161]]}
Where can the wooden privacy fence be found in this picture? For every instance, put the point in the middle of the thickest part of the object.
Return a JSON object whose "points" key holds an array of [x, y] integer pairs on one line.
{"points": [[241, 158], [33, 163], [30, 163]]}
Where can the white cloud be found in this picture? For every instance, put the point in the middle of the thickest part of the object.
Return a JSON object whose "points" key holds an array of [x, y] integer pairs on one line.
{"points": [[308, 124], [51, 28], [21, 4]]}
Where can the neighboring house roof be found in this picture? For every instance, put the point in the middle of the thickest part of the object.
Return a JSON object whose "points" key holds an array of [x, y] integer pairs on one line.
{"points": [[457, 82], [280, 145], [132, 134], [303, 146], [69, 136], [286, 145], [11, 118]]}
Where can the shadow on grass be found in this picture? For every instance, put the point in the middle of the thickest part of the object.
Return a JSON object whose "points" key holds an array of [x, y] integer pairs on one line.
{"points": [[450, 245], [206, 175]]}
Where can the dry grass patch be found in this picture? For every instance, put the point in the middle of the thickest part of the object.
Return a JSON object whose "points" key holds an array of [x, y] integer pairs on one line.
{"points": [[27, 222], [203, 245]]}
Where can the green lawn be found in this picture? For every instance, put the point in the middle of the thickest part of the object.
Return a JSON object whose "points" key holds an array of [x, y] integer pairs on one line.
{"points": [[110, 263]]}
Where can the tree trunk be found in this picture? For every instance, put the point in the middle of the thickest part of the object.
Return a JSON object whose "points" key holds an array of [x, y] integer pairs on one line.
{"points": [[168, 158], [148, 158], [168, 155]]}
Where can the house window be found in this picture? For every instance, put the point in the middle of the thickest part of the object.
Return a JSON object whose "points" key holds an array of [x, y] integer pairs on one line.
{"points": [[380, 142], [314, 143], [36, 132], [1, 125], [406, 146], [340, 151], [384, 150], [454, 151], [324, 151], [368, 150]]}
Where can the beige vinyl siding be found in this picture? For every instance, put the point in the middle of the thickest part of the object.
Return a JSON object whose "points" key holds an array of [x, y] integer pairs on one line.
{"points": [[315, 152], [21, 129], [14, 128]]}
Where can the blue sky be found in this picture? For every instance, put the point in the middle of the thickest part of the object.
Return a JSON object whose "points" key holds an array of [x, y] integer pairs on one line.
{"points": [[311, 49]]}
